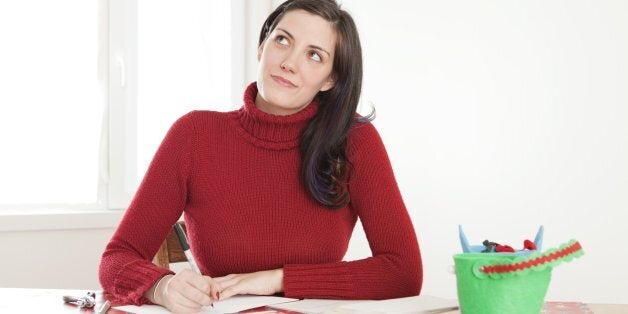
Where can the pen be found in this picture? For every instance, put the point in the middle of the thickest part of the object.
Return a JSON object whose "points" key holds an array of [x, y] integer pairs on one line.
{"points": [[104, 308], [186, 247]]}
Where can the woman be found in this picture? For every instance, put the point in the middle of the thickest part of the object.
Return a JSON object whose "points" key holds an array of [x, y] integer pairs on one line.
{"points": [[271, 192]]}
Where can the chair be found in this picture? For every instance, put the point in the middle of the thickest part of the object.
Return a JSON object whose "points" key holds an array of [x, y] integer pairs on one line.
{"points": [[170, 250]]}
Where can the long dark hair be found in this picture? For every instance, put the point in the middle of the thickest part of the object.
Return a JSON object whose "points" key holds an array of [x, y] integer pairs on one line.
{"points": [[324, 163]]}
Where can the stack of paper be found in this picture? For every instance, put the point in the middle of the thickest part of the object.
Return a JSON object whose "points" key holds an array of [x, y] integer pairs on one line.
{"points": [[232, 305], [314, 306], [420, 305]]}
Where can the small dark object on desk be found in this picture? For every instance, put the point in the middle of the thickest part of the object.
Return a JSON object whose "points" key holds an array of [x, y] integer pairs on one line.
{"points": [[490, 246]]}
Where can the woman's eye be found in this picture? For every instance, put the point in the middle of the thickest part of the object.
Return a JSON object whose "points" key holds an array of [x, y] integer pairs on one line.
{"points": [[282, 40], [315, 56]]}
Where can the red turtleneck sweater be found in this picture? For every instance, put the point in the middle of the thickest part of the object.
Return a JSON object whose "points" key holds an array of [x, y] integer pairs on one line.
{"points": [[236, 177]]}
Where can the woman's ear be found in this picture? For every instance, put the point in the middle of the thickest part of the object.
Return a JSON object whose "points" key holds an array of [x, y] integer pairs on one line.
{"points": [[260, 49], [329, 84]]}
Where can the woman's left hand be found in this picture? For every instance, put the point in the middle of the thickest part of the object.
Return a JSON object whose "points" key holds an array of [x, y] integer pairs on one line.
{"points": [[266, 282]]}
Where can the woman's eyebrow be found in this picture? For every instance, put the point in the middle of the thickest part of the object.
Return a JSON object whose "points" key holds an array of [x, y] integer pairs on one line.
{"points": [[311, 46]]}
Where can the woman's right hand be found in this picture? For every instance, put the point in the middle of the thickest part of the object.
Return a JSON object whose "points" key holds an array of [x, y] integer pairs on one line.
{"points": [[186, 292]]}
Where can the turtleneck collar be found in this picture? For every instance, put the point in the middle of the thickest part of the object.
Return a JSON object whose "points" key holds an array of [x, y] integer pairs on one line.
{"points": [[269, 130]]}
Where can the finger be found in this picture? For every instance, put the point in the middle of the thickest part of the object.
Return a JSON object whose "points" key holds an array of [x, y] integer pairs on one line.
{"points": [[179, 295], [230, 291], [215, 289], [185, 293], [194, 295], [201, 288], [199, 281], [197, 296], [205, 284], [226, 285]]}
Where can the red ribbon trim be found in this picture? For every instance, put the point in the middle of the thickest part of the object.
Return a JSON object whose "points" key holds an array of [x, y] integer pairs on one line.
{"points": [[500, 269]]}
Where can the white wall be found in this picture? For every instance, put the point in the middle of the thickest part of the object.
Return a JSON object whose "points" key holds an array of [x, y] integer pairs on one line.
{"points": [[503, 116], [58, 249], [52, 258], [498, 115]]}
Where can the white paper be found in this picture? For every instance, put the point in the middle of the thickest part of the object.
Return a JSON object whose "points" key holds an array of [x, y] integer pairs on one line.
{"points": [[314, 306], [145, 309], [232, 305], [244, 302], [411, 305]]}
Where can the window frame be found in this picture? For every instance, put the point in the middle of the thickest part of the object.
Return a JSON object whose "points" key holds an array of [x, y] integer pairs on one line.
{"points": [[117, 84]]}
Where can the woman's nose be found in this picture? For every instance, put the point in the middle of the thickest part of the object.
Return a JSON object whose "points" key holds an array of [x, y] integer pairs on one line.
{"points": [[289, 63], [286, 67]]}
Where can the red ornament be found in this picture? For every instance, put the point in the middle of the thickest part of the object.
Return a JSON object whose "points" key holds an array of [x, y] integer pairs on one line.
{"points": [[504, 248], [529, 245]]}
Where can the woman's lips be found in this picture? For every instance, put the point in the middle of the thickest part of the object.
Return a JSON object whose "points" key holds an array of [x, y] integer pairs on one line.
{"points": [[283, 82]]}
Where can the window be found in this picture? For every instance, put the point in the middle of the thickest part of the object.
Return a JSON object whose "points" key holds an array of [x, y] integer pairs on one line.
{"points": [[89, 89], [51, 109], [183, 64]]}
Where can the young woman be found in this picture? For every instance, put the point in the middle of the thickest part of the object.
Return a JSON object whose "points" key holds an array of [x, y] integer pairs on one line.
{"points": [[271, 192]]}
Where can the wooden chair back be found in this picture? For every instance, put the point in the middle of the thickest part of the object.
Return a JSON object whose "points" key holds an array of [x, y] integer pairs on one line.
{"points": [[170, 250]]}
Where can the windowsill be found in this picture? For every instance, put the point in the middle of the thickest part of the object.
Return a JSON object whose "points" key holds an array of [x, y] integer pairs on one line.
{"points": [[60, 219]]}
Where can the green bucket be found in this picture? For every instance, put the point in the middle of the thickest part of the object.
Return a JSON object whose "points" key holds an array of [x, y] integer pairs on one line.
{"points": [[497, 283]]}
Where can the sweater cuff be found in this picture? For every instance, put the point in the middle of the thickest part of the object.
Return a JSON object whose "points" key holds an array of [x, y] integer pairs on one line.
{"points": [[134, 279], [325, 281]]}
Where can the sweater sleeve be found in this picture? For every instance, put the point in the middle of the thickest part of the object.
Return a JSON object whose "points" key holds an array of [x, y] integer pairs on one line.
{"points": [[126, 270], [395, 268]]}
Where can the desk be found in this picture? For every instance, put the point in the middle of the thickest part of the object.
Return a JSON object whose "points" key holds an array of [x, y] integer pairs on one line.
{"points": [[27, 301], [596, 308], [19, 300]]}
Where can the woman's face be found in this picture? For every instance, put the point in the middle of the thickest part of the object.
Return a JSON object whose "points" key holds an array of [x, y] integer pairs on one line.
{"points": [[296, 62]]}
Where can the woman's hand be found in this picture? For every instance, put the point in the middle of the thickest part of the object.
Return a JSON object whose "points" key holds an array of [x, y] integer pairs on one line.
{"points": [[260, 283], [185, 292]]}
